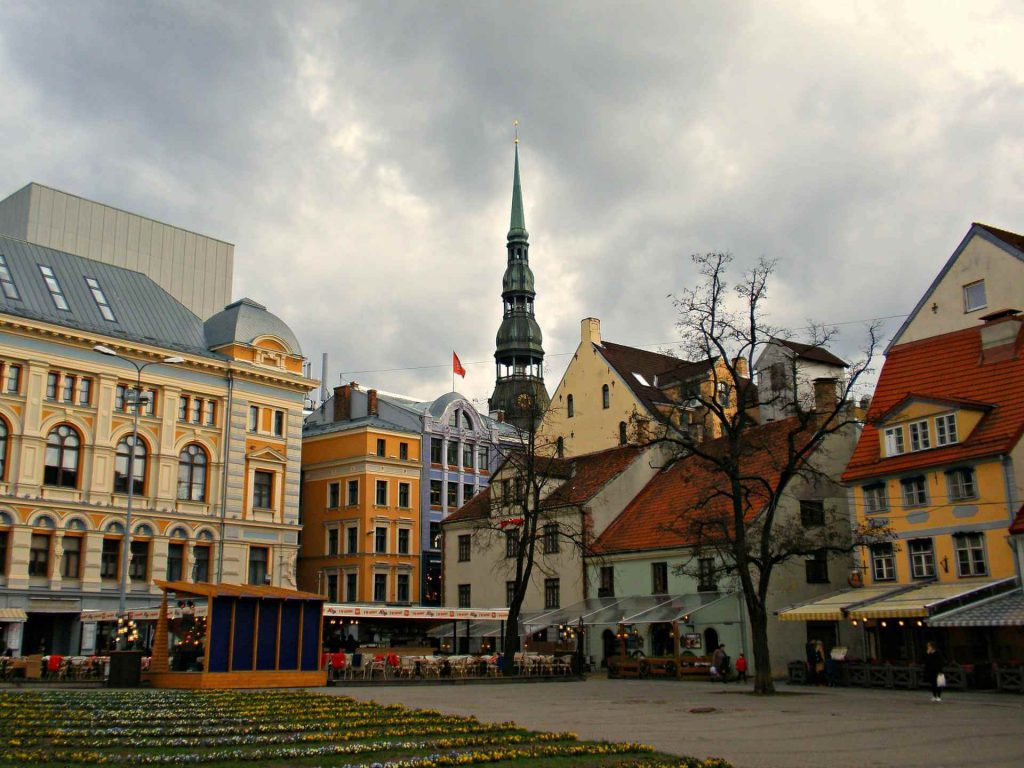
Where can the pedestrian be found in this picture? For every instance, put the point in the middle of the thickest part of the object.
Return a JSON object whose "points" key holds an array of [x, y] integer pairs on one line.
{"points": [[811, 651], [933, 671], [718, 663], [741, 669], [819, 662]]}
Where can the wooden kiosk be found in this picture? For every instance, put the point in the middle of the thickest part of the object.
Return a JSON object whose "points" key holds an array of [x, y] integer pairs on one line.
{"points": [[254, 637]]}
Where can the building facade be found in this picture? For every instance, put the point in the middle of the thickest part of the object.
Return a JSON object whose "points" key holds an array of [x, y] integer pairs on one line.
{"points": [[459, 448], [611, 393], [785, 372], [193, 268], [215, 475]]}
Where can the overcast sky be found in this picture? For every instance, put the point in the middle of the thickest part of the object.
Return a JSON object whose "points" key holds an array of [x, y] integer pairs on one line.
{"points": [[359, 156]]}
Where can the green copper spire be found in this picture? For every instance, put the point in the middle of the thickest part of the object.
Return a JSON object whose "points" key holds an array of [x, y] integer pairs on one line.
{"points": [[517, 224]]}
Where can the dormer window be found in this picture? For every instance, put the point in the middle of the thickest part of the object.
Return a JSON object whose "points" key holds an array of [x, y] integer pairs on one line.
{"points": [[6, 282], [919, 439], [945, 429], [894, 441], [54, 287], [101, 299]]}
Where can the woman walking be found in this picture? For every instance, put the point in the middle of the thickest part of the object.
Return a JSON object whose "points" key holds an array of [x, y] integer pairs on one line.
{"points": [[932, 670]]}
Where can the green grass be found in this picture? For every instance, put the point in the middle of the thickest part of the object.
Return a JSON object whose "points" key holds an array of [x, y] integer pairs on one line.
{"points": [[236, 729]]}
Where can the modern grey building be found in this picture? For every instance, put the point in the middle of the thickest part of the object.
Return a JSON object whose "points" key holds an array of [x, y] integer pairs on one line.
{"points": [[193, 268]]}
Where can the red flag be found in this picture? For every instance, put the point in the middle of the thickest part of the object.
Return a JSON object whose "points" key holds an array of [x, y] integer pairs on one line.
{"points": [[457, 366]]}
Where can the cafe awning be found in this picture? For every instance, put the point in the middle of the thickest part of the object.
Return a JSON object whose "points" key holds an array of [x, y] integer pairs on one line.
{"points": [[1006, 610], [929, 599], [370, 611], [13, 615], [834, 607], [585, 610]]}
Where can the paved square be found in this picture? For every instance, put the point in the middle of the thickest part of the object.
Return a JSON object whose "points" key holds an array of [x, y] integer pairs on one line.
{"points": [[803, 728]]}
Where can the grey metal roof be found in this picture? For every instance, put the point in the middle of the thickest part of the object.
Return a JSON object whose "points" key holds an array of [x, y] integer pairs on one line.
{"points": [[245, 320], [309, 430], [1001, 611], [143, 311]]}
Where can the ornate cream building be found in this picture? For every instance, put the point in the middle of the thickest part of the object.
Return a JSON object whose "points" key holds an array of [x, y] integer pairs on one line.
{"points": [[216, 468]]}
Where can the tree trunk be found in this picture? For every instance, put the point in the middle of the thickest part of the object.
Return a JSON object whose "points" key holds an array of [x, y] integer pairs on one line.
{"points": [[763, 682], [508, 657]]}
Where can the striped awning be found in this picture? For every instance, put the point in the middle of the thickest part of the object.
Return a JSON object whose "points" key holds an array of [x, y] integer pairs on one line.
{"points": [[13, 615], [926, 600], [1005, 610], [835, 606]]}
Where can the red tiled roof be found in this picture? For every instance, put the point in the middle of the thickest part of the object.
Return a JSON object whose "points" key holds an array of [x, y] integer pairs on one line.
{"points": [[1017, 526], [946, 367], [811, 352], [591, 472], [584, 477], [658, 517], [476, 508]]}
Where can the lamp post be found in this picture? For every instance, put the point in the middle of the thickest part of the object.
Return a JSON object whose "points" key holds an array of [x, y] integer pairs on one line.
{"points": [[127, 544]]}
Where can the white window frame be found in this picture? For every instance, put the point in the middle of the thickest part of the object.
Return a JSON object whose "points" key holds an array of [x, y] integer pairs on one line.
{"points": [[915, 501], [967, 303], [924, 559], [895, 444], [945, 430], [883, 562], [954, 481], [920, 438], [958, 540], [879, 492]]}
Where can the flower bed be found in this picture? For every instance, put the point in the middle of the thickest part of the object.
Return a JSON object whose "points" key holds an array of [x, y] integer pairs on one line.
{"points": [[255, 728]]}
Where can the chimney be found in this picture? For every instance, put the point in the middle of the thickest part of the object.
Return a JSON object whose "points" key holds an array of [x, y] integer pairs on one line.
{"points": [[825, 394], [740, 366], [371, 402], [999, 332], [590, 330], [343, 402]]}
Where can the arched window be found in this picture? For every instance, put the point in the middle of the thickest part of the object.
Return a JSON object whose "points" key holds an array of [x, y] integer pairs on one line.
{"points": [[192, 473], [179, 533], [570, 411], [114, 527], [467, 422], [3, 449], [61, 467], [44, 521], [605, 398], [75, 524], [138, 466], [6, 519], [143, 530], [205, 535], [622, 433]]}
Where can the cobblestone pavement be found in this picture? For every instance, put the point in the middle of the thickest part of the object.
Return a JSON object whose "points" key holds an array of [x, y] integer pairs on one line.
{"points": [[812, 728]]}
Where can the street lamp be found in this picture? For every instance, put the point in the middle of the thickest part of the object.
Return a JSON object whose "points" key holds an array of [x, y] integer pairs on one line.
{"points": [[136, 400]]}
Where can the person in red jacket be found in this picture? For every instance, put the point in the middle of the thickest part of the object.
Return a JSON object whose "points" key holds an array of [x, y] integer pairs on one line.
{"points": [[741, 669]]}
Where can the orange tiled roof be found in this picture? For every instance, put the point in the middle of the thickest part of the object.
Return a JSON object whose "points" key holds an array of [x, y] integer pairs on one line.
{"points": [[1017, 526], [657, 517], [949, 368], [586, 476]]}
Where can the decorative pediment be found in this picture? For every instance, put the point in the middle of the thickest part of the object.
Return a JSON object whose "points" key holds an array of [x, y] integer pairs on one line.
{"points": [[267, 454], [915, 406]]}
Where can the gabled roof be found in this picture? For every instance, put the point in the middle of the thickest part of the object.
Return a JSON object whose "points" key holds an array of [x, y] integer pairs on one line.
{"points": [[143, 311], [584, 477], [643, 371], [1010, 242], [946, 367], [657, 517], [812, 352]]}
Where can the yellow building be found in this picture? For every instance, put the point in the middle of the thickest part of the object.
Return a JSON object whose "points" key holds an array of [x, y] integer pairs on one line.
{"points": [[360, 505], [941, 462], [609, 391], [215, 474]]}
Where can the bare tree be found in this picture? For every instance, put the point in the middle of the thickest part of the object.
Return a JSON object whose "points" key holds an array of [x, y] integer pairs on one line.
{"points": [[528, 518], [733, 518]]}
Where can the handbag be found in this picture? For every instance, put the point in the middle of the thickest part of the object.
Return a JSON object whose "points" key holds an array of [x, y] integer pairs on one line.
{"points": [[940, 680]]}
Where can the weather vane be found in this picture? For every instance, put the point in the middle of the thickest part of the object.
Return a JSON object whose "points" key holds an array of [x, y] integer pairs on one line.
{"points": [[515, 129]]}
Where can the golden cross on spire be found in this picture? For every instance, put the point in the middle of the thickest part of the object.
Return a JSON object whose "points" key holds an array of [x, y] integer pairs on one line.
{"points": [[515, 129]]}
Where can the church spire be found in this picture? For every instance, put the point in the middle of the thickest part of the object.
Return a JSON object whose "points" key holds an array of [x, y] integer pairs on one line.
{"points": [[519, 353], [517, 222]]}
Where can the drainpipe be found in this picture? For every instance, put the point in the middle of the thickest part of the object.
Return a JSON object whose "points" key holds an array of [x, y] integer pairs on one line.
{"points": [[224, 477]]}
